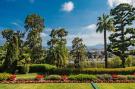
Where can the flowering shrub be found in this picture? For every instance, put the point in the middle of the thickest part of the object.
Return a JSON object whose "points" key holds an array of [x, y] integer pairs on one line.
{"points": [[122, 77], [39, 77], [4, 76], [64, 78], [114, 76], [12, 77]]}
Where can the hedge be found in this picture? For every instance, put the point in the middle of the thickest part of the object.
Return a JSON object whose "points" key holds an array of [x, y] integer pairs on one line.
{"points": [[49, 69], [82, 77], [41, 68], [129, 70]]}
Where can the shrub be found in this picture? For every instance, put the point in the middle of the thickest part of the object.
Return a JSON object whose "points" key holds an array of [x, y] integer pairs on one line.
{"points": [[41, 68], [82, 77], [129, 61], [122, 77], [39, 77], [131, 77], [116, 62], [4, 76], [12, 77], [104, 77], [24, 69], [53, 77]]}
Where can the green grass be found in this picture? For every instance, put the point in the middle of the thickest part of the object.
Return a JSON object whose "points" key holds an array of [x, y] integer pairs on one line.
{"points": [[116, 85], [47, 86], [26, 76]]}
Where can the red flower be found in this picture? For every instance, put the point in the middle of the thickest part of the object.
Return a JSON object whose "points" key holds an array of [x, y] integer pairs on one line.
{"points": [[114, 76], [64, 78], [13, 77], [39, 77]]}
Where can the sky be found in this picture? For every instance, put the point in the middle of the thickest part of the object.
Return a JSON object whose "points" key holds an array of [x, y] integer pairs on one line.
{"points": [[78, 17]]}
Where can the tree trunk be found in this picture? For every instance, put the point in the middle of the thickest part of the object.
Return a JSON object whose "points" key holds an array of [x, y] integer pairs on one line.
{"points": [[123, 62], [105, 48]]}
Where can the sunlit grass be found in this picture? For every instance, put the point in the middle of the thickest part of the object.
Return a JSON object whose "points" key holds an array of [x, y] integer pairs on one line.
{"points": [[47, 86], [116, 85]]}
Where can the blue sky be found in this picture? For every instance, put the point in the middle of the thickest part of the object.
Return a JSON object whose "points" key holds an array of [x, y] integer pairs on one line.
{"points": [[78, 17]]}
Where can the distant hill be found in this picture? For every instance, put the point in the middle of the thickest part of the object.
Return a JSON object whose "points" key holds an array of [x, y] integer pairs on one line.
{"points": [[95, 47]]}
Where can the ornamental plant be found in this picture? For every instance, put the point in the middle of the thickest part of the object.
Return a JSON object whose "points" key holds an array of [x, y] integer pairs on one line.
{"points": [[64, 78], [12, 77], [39, 77]]}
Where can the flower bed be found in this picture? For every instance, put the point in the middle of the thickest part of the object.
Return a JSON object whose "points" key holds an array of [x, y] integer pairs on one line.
{"points": [[81, 78]]}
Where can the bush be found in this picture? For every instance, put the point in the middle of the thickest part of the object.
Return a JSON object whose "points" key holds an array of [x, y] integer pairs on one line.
{"points": [[122, 77], [131, 77], [53, 77], [115, 62], [43, 68], [82, 77], [25, 69], [4, 76], [104, 77], [129, 61]]}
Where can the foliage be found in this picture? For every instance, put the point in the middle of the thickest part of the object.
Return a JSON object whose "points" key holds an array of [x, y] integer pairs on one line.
{"points": [[124, 16], [13, 42], [34, 25], [43, 68], [104, 76], [131, 77], [25, 69], [82, 77], [78, 52], [105, 23], [115, 62], [121, 77], [53, 77], [4, 76], [58, 52], [129, 61]]}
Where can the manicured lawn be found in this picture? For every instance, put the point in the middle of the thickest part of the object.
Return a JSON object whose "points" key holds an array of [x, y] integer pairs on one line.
{"points": [[47, 86], [26, 76], [116, 85]]}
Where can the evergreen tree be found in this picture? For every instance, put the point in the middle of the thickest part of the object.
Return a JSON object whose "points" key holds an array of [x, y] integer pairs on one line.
{"points": [[123, 37], [78, 52], [34, 25]]}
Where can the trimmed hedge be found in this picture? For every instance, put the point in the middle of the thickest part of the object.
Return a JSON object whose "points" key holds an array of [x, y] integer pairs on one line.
{"points": [[53, 77], [82, 77], [41, 68], [49, 69], [129, 70]]}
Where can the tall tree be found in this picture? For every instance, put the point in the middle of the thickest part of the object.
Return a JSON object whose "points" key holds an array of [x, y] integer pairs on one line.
{"points": [[105, 23], [124, 15], [13, 41], [78, 52], [34, 25], [58, 52]]}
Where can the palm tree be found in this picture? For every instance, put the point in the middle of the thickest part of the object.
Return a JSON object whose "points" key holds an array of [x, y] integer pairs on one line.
{"points": [[105, 23]]}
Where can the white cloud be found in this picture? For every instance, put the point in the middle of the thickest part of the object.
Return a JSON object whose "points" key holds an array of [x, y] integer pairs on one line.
{"points": [[43, 35], [68, 6], [89, 36], [113, 3], [90, 27]]}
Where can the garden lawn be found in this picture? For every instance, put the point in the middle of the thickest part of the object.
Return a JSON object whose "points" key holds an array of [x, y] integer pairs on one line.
{"points": [[116, 85], [47, 86]]}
